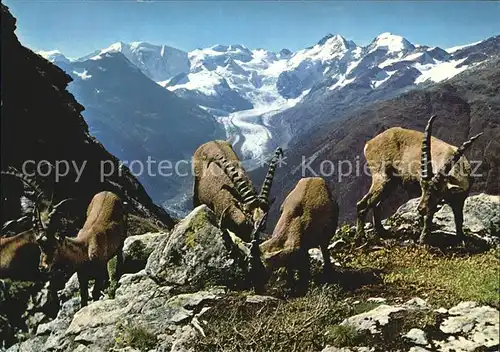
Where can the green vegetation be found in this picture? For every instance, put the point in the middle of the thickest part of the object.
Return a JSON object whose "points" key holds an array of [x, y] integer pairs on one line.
{"points": [[343, 336], [443, 279], [135, 336], [390, 271]]}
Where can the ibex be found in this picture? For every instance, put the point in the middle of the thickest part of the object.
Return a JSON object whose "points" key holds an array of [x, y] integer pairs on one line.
{"points": [[309, 217], [405, 156], [223, 185], [100, 239], [20, 254]]}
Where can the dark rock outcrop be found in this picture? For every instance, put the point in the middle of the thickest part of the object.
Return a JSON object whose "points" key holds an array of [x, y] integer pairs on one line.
{"points": [[42, 121]]}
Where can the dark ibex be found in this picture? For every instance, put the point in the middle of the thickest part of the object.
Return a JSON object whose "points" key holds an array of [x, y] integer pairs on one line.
{"points": [[404, 156], [309, 217], [100, 239], [222, 184], [20, 254]]}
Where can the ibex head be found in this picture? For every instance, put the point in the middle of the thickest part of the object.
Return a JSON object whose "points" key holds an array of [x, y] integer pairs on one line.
{"points": [[45, 220], [436, 185], [255, 207], [48, 234]]}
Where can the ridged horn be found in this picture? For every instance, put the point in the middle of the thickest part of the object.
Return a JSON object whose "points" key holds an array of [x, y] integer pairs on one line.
{"points": [[268, 181], [29, 182], [244, 189], [36, 218], [452, 160], [258, 227], [426, 158]]}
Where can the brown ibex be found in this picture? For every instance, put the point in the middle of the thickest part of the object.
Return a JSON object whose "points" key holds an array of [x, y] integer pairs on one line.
{"points": [[20, 254], [405, 156], [309, 217], [222, 184], [100, 239]]}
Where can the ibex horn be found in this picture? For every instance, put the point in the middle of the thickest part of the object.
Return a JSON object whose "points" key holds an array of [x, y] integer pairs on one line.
{"points": [[258, 227], [13, 172], [37, 221], [452, 160], [244, 189], [54, 209], [268, 181], [426, 158], [221, 219]]}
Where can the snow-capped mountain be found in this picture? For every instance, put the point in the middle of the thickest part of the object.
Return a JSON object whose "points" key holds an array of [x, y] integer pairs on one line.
{"points": [[139, 121], [54, 56], [248, 88], [158, 62], [262, 98]]}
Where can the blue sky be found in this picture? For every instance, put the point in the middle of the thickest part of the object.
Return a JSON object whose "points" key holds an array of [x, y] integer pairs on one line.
{"points": [[77, 27]]}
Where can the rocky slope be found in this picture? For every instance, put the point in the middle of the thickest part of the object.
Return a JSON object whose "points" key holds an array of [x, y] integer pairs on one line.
{"points": [[42, 121], [188, 298]]}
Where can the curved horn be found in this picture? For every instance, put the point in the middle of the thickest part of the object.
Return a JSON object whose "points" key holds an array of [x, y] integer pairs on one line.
{"points": [[244, 189], [55, 208], [268, 181], [36, 218], [221, 219], [426, 159], [29, 182], [258, 227], [452, 160], [37, 221]]}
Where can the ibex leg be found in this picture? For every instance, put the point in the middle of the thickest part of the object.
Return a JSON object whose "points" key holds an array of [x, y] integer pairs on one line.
{"points": [[327, 264], [379, 183], [458, 213], [100, 281], [83, 282], [377, 208], [304, 272], [427, 225]]}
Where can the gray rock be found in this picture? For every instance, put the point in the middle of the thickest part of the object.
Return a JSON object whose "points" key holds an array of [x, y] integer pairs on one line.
{"points": [[417, 336], [373, 320], [198, 254], [481, 217], [418, 349], [350, 349], [261, 299], [478, 325], [136, 250]]}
